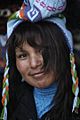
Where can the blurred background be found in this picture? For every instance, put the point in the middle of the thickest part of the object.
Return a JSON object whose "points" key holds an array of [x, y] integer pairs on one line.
{"points": [[72, 13], [7, 7]]}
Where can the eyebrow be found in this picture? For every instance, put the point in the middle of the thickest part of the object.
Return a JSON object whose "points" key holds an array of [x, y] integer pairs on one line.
{"points": [[20, 49]]}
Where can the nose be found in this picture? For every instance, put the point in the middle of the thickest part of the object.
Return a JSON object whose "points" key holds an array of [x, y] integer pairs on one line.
{"points": [[36, 61]]}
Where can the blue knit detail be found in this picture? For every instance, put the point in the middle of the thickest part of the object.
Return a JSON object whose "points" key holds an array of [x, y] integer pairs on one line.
{"points": [[43, 99]]}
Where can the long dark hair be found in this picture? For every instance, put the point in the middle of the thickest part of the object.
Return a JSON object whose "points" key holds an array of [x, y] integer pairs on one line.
{"points": [[49, 36]]}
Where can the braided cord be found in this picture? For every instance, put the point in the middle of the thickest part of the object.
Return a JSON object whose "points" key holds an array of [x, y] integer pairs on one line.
{"points": [[5, 92], [75, 87]]}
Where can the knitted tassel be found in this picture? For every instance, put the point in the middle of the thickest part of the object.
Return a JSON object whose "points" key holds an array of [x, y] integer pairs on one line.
{"points": [[75, 87], [5, 92]]}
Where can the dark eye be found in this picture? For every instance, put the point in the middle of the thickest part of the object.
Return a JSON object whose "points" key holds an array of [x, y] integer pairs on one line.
{"points": [[21, 56], [41, 50], [44, 50]]}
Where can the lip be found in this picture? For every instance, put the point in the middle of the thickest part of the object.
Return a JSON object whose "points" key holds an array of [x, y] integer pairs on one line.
{"points": [[37, 75]]}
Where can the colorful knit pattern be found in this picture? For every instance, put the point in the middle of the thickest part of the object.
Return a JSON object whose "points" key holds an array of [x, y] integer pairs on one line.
{"points": [[5, 92], [75, 87], [35, 10]]}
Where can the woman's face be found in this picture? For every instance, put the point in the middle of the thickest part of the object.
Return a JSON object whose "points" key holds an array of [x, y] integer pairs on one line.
{"points": [[29, 62]]}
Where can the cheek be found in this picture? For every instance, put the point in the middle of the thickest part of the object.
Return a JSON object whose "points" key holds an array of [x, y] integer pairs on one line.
{"points": [[21, 66]]}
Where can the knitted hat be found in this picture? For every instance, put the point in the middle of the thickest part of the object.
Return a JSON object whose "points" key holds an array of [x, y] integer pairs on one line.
{"points": [[36, 10]]}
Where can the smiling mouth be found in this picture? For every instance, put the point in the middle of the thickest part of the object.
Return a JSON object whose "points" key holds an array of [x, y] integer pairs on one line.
{"points": [[37, 75]]}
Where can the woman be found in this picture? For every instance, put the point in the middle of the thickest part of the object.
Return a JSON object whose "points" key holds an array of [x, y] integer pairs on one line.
{"points": [[43, 82], [39, 73]]}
